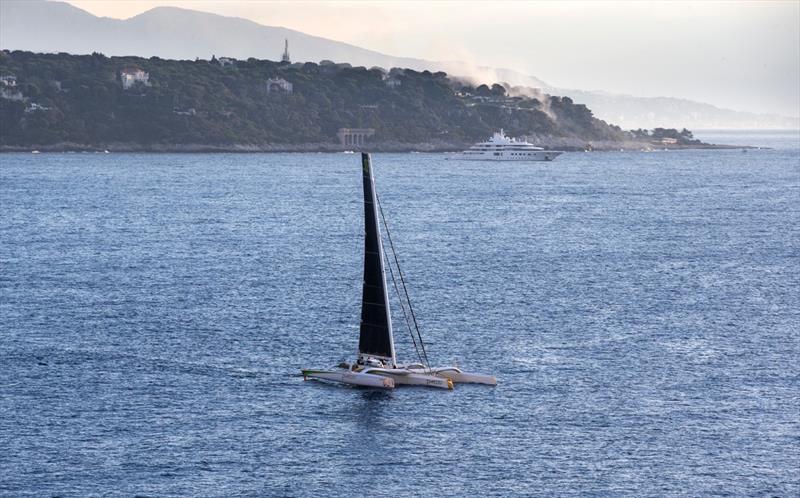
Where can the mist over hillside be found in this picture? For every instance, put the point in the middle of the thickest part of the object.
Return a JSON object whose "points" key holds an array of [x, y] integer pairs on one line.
{"points": [[174, 33]]}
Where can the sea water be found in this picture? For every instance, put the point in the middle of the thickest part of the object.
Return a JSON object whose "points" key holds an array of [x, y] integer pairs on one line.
{"points": [[641, 312]]}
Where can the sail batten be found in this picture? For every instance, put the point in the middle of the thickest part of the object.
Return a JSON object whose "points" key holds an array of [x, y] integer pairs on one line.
{"points": [[375, 337]]}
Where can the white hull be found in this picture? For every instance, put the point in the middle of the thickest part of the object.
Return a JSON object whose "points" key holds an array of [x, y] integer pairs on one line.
{"points": [[411, 375], [352, 378], [459, 377], [402, 376], [388, 378]]}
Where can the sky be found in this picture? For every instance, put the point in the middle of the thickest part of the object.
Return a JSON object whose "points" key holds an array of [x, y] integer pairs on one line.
{"points": [[742, 55]]}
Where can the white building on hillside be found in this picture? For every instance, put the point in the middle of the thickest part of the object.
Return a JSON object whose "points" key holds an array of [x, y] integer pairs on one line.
{"points": [[33, 107], [11, 93], [130, 75], [279, 85]]}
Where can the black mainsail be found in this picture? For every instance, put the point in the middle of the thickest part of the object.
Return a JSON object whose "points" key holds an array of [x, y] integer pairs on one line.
{"points": [[375, 338]]}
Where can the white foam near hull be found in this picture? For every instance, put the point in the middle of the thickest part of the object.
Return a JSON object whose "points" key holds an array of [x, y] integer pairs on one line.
{"points": [[349, 377]]}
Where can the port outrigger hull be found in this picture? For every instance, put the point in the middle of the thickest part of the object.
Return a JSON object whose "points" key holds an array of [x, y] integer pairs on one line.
{"points": [[352, 378]]}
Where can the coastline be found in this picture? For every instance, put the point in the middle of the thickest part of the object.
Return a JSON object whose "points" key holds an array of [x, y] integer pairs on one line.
{"points": [[554, 143]]}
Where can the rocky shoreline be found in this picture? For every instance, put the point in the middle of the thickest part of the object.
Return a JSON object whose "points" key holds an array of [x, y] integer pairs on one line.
{"points": [[568, 144]]}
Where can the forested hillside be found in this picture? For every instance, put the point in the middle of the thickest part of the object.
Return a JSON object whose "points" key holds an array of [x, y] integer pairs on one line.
{"points": [[60, 98]]}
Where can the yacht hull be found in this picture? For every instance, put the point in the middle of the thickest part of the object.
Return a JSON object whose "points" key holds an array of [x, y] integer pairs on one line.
{"points": [[533, 156], [352, 378]]}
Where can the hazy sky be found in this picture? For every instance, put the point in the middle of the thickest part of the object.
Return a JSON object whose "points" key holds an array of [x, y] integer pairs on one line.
{"points": [[740, 55]]}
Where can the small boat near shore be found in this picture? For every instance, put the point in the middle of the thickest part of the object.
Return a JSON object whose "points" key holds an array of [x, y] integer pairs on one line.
{"points": [[500, 147], [376, 364]]}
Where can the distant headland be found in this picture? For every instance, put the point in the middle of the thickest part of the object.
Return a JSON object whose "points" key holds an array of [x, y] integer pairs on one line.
{"points": [[55, 102]]}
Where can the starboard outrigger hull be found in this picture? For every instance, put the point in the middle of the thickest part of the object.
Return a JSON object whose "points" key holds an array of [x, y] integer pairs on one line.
{"points": [[457, 376]]}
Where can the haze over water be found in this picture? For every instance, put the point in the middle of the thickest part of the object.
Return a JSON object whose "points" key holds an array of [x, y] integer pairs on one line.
{"points": [[638, 309]]}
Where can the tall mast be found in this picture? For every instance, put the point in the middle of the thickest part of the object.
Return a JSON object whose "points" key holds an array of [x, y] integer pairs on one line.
{"points": [[375, 337]]}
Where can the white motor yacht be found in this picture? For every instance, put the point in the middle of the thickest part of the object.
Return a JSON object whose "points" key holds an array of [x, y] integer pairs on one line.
{"points": [[500, 147]]}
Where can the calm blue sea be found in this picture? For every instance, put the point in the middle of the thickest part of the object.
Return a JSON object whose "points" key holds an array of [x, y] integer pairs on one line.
{"points": [[640, 310]]}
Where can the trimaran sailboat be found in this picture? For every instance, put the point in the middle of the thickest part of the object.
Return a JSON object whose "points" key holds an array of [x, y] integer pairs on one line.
{"points": [[377, 365]]}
